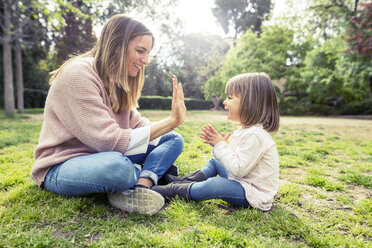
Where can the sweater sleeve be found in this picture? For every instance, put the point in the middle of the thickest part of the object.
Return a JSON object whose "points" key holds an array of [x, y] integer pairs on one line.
{"points": [[240, 161], [80, 104]]}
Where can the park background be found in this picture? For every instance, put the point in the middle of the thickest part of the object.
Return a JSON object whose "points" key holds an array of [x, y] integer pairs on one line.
{"points": [[318, 53]]}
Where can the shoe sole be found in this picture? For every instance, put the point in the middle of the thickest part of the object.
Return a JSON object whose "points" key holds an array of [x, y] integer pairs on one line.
{"points": [[143, 201]]}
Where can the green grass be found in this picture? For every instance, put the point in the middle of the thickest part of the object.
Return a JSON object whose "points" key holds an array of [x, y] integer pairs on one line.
{"points": [[324, 198]]}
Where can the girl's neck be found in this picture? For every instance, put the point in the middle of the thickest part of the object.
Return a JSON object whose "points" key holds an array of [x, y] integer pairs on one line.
{"points": [[255, 125]]}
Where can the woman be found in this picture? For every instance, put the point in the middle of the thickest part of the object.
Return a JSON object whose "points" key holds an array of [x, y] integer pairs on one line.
{"points": [[93, 140]]}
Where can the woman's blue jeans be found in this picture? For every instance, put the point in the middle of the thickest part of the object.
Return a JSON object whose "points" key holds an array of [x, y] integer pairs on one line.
{"points": [[111, 172], [218, 187]]}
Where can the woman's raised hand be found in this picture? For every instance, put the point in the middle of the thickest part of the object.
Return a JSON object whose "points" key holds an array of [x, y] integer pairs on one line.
{"points": [[178, 111]]}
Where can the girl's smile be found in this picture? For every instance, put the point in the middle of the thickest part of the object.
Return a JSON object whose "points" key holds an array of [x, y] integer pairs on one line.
{"points": [[232, 106]]}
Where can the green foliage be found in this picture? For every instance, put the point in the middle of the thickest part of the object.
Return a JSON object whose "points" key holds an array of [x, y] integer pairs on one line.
{"points": [[363, 107], [318, 74], [158, 80], [333, 76], [272, 52], [35, 75], [328, 18], [329, 74], [356, 73], [74, 31]]}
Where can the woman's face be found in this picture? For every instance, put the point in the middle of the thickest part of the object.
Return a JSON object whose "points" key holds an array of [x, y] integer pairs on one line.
{"points": [[138, 54]]}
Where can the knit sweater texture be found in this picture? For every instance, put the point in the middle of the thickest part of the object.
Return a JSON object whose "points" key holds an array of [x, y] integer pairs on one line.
{"points": [[78, 120]]}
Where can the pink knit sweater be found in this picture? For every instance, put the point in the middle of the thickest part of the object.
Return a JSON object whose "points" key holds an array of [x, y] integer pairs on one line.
{"points": [[78, 120]]}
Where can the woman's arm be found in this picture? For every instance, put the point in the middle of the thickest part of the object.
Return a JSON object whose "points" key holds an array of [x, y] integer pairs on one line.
{"points": [[177, 115]]}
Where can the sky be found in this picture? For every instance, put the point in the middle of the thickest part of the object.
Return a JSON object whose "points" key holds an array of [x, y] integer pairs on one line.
{"points": [[198, 17]]}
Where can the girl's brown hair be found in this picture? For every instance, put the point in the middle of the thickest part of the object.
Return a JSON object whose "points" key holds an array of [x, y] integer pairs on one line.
{"points": [[258, 101], [110, 53]]}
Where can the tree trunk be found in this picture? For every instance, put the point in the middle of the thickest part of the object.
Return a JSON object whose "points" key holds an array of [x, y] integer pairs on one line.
{"points": [[216, 102], [356, 6], [7, 60], [20, 102]]}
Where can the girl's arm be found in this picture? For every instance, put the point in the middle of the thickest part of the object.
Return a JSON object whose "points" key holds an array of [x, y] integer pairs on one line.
{"points": [[241, 160]]}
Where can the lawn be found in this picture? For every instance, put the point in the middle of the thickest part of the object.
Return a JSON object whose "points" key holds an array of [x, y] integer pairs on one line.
{"points": [[324, 199]]}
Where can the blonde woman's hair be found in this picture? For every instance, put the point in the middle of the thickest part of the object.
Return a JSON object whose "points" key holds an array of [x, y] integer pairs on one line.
{"points": [[258, 101], [110, 54]]}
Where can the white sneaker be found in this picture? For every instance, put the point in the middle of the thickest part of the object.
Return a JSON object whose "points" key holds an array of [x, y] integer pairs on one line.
{"points": [[140, 200]]}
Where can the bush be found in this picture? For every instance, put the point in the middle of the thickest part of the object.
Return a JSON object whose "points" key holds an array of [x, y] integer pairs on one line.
{"points": [[362, 108], [34, 98], [195, 104], [154, 103], [290, 106], [322, 109], [164, 103]]}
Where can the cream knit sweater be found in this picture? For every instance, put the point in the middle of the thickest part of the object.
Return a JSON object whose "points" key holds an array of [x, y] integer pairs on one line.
{"points": [[251, 157], [78, 120]]}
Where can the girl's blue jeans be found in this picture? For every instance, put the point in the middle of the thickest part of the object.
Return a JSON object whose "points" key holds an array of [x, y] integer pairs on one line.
{"points": [[111, 172], [218, 187]]}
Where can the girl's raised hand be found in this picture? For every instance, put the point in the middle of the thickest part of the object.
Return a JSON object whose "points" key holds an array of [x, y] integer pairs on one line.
{"points": [[211, 136], [178, 111]]}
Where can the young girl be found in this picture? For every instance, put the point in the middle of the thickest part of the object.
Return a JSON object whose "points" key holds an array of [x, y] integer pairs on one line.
{"points": [[248, 166]]}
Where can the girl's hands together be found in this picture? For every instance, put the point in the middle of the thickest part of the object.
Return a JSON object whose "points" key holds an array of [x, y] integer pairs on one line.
{"points": [[212, 137], [178, 112]]}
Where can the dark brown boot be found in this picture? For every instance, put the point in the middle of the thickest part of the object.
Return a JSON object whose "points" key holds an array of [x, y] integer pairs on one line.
{"points": [[172, 190], [172, 171], [196, 176]]}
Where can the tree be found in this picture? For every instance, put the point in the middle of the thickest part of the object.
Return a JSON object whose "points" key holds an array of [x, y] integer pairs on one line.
{"points": [[333, 76], [241, 15], [359, 39], [6, 41], [21, 26], [316, 20], [157, 79], [72, 33], [202, 56], [328, 18], [20, 100], [274, 53], [360, 31]]}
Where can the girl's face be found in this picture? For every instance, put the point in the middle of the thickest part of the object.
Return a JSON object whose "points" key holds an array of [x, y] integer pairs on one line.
{"points": [[232, 106], [138, 54]]}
